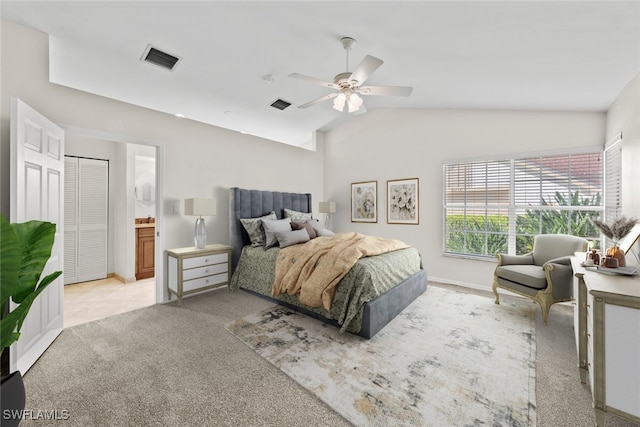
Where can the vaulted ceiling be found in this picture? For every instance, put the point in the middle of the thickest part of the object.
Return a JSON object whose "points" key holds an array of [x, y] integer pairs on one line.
{"points": [[236, 56]]}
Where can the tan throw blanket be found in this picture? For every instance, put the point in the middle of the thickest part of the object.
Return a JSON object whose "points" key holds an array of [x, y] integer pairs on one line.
{"points": [[312, 270]]}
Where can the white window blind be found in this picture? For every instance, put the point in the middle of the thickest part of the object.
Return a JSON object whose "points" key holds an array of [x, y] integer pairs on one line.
{"points": [[498, 206], [613, 179]]}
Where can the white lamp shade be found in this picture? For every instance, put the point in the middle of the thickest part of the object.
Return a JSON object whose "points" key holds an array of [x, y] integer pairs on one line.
{"points": [[200, 207], [354, 102], [327, 207], [338, 102]]}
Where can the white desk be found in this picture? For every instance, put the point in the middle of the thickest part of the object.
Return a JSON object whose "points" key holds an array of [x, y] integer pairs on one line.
{"points": [[607, 328]]}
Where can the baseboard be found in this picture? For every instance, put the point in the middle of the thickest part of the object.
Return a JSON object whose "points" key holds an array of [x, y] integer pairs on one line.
{"points": [[474, 286], [459, 283], [122, 279]]}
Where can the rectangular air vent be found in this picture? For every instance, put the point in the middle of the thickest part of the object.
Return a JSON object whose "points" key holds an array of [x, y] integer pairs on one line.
{"points": [[160, 58], [280, 104]]}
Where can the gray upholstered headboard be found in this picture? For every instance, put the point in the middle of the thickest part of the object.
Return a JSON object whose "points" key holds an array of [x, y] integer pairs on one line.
{"points": [[254, 203]]}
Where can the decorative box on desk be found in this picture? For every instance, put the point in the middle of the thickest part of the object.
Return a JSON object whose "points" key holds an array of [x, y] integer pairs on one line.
{"points": [[191, 270], [607, 325]]}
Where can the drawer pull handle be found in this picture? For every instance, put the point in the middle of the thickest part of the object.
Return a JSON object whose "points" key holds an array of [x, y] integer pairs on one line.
{"points": [[206, 270], [206, 260]]}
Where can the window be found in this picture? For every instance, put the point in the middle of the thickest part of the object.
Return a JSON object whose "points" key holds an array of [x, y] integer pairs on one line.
{"points": [[498, 206]]}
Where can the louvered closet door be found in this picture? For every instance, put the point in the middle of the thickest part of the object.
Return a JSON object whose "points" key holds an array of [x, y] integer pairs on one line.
{"points": [[93, 193], [70, 220], [86, 193]]}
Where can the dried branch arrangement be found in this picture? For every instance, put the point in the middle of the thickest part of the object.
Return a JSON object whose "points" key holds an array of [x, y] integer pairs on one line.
{"points": [[619, 228]]}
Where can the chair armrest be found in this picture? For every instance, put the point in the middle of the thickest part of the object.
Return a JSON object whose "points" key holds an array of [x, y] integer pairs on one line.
{"points": [[564, 260], [559, 280], [505, 259]]}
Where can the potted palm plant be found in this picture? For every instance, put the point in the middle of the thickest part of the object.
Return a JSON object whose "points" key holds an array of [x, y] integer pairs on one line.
{"points": [[24, 251]]}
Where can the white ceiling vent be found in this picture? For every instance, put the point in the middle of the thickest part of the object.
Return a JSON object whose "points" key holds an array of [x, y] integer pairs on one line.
{"points": [[158, 57]]}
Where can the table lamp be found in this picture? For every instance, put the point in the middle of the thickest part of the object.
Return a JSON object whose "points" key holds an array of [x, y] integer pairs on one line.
{"points": [[327, 208], [200, 208]]}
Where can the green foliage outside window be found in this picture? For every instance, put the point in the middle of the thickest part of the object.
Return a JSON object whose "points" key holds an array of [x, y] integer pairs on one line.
{"points": [[487, 235]]}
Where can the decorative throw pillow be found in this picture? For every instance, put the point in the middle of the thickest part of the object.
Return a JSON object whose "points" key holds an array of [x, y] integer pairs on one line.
{"points": [[271, 227], [321, 231], [291, 237], [306, 225], [297, 216], [254, 228]]}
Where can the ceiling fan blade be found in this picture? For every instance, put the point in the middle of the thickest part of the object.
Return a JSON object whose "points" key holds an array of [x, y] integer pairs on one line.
{"points": [[385, 90], [314, 80], [317, 101], [368, 65]]}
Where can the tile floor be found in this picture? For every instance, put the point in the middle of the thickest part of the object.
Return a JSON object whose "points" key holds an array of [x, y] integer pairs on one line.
{"points": [[87, 301]]}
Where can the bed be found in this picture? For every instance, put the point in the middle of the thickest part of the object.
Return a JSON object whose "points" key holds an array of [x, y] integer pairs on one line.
{"points": [[371, 294]]}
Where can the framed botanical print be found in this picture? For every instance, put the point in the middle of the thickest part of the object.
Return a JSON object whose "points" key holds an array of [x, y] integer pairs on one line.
{"points": [[402, 201], [364, 201]]}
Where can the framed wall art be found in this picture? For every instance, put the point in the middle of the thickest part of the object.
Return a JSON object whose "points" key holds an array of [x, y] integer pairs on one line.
{"points": [[402, 201], [364, 201]]}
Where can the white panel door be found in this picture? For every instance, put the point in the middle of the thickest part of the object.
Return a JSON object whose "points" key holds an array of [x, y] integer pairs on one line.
{"points": [[37, 179]]}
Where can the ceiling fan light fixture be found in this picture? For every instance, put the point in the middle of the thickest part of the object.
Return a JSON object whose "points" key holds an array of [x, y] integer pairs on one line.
{"points": [[354, 102], [338, 102]]}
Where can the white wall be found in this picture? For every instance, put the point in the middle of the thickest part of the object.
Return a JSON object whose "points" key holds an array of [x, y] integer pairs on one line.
{"points": [[393, 144], [624, 116], [200, 160]]}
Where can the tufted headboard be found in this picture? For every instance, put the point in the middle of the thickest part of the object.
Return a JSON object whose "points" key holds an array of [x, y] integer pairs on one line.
{"points": [[254, 203]]}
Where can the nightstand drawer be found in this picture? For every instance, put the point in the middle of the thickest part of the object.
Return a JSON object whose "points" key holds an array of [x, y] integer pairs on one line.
{"points": [[208, 270], [202, 282], [201, 261]]}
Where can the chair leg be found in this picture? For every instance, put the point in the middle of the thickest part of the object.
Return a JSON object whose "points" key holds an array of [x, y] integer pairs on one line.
{"points": [[495, 291], [545, 301]]}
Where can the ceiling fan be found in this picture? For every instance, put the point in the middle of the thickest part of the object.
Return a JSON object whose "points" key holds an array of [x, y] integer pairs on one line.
{"points": [[349, 84]]}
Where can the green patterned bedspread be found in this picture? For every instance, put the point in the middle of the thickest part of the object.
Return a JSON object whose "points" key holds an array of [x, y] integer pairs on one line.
{"points": [[368, 279]]}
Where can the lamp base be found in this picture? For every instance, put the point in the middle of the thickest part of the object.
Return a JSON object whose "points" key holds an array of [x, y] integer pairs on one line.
{"points": [[200, 234]]}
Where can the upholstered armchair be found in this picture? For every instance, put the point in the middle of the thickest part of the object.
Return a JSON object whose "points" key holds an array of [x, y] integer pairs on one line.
{"points": [[544, 275]]}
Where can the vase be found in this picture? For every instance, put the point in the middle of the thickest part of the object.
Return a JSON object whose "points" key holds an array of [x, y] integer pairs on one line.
{"points": [[13, 399], [610, 262], [616, 252]]}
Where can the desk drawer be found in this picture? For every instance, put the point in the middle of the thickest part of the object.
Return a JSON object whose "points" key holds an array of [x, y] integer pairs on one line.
{"points": [[201, 261]]}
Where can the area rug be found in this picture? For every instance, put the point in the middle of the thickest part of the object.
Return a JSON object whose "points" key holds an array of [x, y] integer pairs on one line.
{"points": [[449, 359]]}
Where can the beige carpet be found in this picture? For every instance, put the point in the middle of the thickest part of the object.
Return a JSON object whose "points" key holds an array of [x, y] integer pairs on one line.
{"points": [[449, 359], [178, 366]]}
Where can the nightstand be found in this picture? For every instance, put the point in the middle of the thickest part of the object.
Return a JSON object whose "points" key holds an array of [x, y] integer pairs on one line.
{"points": [[191, 270]]}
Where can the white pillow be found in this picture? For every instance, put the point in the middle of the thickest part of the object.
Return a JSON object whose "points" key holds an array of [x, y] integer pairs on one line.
{"points": [[271, 227], [321, 231]]}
